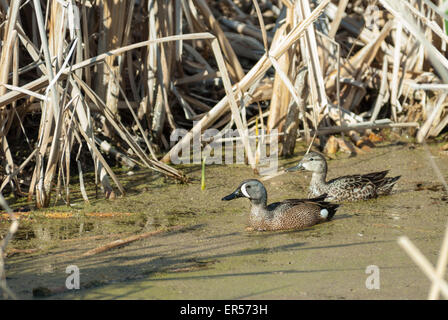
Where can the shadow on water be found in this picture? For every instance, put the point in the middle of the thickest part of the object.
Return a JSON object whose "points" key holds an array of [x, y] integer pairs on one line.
{"points": [[171, 265], [213, 243]]}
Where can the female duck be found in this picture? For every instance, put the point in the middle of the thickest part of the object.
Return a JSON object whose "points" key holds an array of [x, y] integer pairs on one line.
{"points": [[288, 214], [346, 188]]}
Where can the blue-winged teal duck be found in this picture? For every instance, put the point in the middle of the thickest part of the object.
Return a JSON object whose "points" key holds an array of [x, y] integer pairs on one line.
{"points": [[346, 188], [288, 214]]}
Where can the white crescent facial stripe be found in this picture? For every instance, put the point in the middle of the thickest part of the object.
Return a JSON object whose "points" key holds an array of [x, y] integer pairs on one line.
{"points": [[244, 191]]}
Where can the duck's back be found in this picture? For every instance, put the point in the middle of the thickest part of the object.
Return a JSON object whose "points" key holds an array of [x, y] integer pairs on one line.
{"points": [[289, 214], [355, 187], [351, 188]]}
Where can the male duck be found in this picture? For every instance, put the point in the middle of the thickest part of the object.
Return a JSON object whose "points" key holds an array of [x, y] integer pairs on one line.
{"points": [[288, 214], [346, 188]]}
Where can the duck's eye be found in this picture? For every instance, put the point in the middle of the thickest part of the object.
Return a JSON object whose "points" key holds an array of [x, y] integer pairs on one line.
{"points": [[311, 159], [247, 187]]}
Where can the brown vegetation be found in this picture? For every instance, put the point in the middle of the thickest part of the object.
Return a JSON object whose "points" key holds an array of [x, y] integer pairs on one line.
{"points": [[118, 77]]}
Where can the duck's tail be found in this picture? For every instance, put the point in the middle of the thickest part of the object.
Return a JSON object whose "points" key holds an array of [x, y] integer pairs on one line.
{"points": [[376, 177], [386, 185], [328, 211], [320, 198]]}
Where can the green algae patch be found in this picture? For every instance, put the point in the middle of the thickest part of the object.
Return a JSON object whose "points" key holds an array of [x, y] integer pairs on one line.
{"points": [[213, 256]]}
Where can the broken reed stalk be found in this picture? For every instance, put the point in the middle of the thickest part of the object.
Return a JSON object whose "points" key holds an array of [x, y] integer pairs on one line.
{"points": [[53, 116], [397, 62], [232, 62], [422, 133], [242, 129], [423, 264], [81, 182], [254, 74], [441, 267], [137, 121], [378, 124], [338, 18], [125, 241], [262, 26], [43, 81], [314, 63], [101, 159], [14, 251], [280, 93], [158, 77], [121, 130], [381, 98], [292, 119], [439, 62]]}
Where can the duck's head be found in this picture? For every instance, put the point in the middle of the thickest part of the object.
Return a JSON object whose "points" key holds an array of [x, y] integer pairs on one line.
{"points": [[313, 161], [252, 189]]}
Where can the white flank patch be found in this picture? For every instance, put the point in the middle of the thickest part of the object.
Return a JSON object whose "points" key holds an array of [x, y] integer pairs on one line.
{"points": [[244, 191], [324, 213]]}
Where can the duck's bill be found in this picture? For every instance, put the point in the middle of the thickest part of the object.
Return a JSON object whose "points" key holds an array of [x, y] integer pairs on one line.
{"points": [[234, 195], [298, 167]]}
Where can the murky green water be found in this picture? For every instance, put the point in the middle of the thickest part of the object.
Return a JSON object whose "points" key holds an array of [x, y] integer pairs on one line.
{"points": [[212, 256]]}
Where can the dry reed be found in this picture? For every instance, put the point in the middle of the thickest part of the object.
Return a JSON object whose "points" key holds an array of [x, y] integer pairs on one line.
{"points": [[125, 74]]}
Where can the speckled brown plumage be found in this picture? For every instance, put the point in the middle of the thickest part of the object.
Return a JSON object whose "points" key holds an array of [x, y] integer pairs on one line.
{"points": [[284, 215], [346, 188]]}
